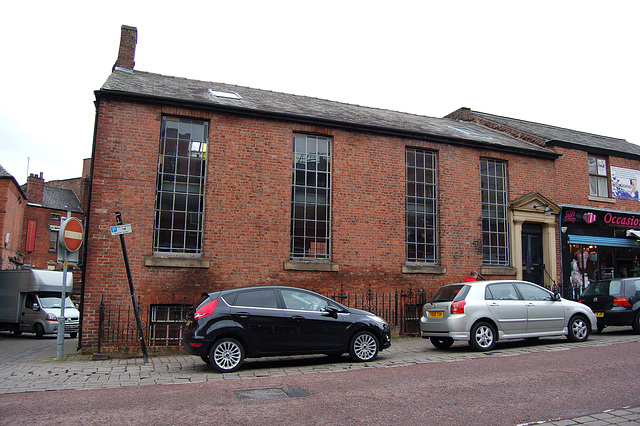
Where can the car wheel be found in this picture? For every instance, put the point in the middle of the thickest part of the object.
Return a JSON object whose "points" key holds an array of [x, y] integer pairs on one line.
{"points": [[226, 355], [441, 342], [483, 337], [73, 335], [39, 330], [636, 323], [363, 347], [578, 329], [600, 328]]}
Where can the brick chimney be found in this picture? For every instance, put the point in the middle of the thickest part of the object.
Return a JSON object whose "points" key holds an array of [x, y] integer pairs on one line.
{"points": [[127, 51], [35, 188], [461, 114]]}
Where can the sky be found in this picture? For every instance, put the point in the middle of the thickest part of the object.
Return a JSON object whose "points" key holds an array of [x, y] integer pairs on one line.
{"points": [[572, 64]]}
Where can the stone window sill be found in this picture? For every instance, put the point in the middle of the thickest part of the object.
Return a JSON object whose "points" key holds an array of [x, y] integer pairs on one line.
{"points": [[602, 199], [301, 265], [418, 268], [175, 262]]}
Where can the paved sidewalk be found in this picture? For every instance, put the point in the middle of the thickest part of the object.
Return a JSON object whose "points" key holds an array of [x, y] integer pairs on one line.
{"points": [[81, 372]]}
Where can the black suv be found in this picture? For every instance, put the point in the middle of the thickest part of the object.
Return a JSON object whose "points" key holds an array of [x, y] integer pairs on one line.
{"points": [[227, 326], [615, 302]]}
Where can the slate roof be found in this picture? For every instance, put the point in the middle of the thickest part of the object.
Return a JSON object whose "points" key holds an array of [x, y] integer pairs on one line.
{"points": [[4, 174], [560, 136], [59, 199], [174, 90]]}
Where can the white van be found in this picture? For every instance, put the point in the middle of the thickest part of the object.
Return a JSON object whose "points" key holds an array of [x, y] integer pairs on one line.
{"points": [[30, 301]]}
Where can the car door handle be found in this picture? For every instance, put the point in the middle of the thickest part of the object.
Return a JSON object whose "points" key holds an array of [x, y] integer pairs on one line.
{"points": [[297, 318], [243, 314]]}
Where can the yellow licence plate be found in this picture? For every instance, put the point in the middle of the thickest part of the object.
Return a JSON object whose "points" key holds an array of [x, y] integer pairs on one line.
{"points": [[436, 314], [188, 322], [599, 314]]}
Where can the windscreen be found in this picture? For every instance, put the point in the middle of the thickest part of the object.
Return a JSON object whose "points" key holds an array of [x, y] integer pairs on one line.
{"points": [[54, 302], [450, 292], [613, 287]]}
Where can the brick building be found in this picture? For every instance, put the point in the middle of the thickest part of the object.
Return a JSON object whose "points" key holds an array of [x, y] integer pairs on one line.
{"points": [[599, 219], [227, 186], [46, 206], [12, 206], [30, 220]]}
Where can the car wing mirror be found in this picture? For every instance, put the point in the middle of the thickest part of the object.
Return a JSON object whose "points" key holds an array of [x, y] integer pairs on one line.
{"points": [[35, 307], [332, 311], [556, 297]]}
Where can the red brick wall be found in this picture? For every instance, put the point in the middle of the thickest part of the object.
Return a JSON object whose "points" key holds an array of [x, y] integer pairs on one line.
{"points": [[41, 257], [12, 205], [247, 220]]}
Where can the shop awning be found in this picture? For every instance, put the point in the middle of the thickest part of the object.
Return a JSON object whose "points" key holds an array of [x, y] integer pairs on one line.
{"points": [[603, 241], [633, 233]]}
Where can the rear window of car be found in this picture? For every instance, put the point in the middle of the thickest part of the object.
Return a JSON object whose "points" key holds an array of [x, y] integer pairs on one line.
{"points": [[451, 293], [613, 288]]}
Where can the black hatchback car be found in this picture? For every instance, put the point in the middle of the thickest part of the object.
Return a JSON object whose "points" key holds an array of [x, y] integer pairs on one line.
{"points": [[230, 325], [615, 302]]}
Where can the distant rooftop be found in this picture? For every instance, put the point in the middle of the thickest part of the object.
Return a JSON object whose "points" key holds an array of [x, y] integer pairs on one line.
{"points": [[558, 136]]}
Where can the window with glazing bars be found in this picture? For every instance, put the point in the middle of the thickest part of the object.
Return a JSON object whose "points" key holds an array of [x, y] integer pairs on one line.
{"points": [[179, 209], [495, 229], [166, 324], [598, 177], [311, 198], [421, 207]]}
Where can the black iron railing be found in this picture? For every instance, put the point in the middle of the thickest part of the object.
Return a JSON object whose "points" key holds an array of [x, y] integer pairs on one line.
{"points": [[163, 324]]}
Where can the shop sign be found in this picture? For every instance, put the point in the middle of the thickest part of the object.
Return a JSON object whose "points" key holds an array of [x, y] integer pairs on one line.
{"points": [[31, 236], [599, 218]]}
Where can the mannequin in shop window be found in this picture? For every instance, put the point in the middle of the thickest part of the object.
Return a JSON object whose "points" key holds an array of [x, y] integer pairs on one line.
{"points": [[576, 279]]}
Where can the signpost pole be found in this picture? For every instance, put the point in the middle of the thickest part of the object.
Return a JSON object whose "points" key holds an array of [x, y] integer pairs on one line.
{"points": [[63, 298], [133, 294]]}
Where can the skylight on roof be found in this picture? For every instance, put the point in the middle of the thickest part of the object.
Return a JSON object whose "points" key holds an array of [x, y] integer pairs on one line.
{"points": [[226, 95], [470, 132]]}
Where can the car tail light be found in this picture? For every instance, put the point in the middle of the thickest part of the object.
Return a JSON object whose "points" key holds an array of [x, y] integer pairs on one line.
{"points": [[458, 307], [621, 301], [205, 310]]}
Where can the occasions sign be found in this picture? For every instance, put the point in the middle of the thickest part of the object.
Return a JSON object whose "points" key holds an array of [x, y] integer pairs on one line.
{"points": [[599, 218]]}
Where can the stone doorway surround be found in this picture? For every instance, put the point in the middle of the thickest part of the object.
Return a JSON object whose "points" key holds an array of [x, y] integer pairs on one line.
{"points": [[535, 208]]}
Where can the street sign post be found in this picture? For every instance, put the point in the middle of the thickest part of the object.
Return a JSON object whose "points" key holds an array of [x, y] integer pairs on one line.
{"points": [[70, 240], [121, 229]]}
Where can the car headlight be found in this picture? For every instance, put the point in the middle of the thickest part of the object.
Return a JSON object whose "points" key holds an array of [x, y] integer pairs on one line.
{"points": [[377, 319]]}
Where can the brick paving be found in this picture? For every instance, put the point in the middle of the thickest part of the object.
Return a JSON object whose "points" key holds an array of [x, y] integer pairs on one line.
{"points": [[78, 371]]}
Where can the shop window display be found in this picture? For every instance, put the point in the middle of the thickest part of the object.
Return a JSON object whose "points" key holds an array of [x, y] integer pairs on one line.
{"points": [[601, 263]]}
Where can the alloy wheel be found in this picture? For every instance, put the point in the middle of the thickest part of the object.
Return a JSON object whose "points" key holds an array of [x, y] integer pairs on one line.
{"points": [[364, 347], [227, 355]]}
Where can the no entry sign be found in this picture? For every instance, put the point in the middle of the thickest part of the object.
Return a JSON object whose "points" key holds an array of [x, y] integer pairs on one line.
{"points": [[71, 234]]}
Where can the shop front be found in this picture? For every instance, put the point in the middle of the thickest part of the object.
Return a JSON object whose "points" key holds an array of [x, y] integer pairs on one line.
{"points": [[597, 245]]}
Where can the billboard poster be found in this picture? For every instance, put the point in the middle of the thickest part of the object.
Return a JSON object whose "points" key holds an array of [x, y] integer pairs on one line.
{"points": [[624, 183]]}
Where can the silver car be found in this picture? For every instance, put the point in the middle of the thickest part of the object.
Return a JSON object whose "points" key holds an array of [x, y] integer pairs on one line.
{"points": [[484, 312]]}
